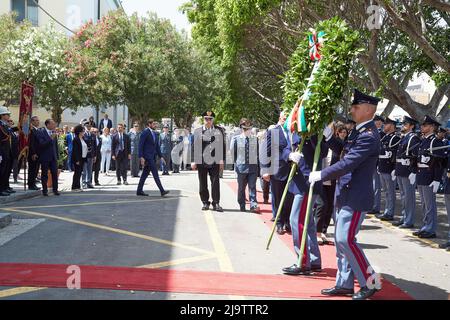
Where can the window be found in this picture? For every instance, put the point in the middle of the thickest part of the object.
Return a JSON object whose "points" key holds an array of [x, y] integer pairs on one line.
{"points": [[26, 10]]}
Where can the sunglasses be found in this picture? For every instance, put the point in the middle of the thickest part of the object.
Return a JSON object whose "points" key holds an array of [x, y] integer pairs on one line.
{"points": [[208, 118]]}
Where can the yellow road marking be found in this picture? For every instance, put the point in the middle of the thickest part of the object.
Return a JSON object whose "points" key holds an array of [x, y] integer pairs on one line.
{"points": [[115, 230], [219, 247], [15, 291], [93, 203]]}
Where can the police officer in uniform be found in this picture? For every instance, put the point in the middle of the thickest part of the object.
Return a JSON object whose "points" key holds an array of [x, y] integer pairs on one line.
{"points": [[386, 167], [405, 171], [208, 154], [379, 121], [430, 168], [5, 152], [354, 197]]}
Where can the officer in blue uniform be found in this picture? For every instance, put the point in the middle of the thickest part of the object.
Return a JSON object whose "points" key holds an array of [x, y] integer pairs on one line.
{"points": [[379, 121], [430, 168], [405, 171], [299, 188], [386, 167], [5, 152], [354, 197]]}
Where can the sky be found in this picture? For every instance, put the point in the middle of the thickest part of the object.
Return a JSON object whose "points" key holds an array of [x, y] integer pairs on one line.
{"points": [[163, 8]]}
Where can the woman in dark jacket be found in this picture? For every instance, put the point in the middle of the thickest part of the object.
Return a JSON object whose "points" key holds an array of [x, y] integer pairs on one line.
{"points": [[79, 154]]}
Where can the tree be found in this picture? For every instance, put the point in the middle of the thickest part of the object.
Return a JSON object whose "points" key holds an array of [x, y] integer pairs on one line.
{"points": [[259, 41]]}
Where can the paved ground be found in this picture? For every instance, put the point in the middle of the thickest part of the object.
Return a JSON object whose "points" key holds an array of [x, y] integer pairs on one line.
{"points": [[110, 226]]}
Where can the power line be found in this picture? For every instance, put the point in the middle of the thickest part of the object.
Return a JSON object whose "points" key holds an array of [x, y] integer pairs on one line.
{"points": [[53, 18]]}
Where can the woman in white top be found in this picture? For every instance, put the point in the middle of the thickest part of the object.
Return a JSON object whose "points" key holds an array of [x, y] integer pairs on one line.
{"points": [[106, 151]]}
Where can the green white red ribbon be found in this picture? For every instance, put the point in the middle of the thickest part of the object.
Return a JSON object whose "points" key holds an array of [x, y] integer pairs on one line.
{"points": [[315, 43]]}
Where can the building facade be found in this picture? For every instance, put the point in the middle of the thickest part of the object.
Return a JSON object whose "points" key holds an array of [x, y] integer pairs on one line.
{"points": [[72, 14]]}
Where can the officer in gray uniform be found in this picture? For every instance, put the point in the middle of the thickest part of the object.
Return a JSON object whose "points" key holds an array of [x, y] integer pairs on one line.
{"points": [[386, 167], [405, 170], [379, 121], [135, 162], [165, 141], [430, 168]]}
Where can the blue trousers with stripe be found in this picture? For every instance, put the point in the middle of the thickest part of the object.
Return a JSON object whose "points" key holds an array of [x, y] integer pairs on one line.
{"points": [[351, 260], [429, 208], [377, 192], [408, 200], [311, 256], [389, 191]]}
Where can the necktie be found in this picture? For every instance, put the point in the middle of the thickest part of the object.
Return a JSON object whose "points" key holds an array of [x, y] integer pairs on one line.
{"points": [[247, 150], [121, 142]]}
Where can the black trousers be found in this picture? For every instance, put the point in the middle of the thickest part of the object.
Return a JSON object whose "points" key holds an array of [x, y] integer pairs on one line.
{"points": [[277, 193], [97, 168], [78, 170], [5, 171], [121, 166], [325, 211], [33, 168], [53, 167], [213, 172], [265, 186]]}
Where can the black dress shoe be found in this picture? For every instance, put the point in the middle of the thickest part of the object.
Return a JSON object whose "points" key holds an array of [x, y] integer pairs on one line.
{"points": [[266, 202], [35, 188], [119, 183], [287, 228], [45, 194], [97, 184], [164, 193], [405, 226], [4, 194], [386, 218], [205, 207], [142, 194], [336, 291], [280, 230], [417, 233], [296, 271], [397, 223], [242, 209], [364, 293], [56, 193], [90, 186], [445, 245], [427, 235], [273, 219], [125, 183], [10, 191], [217, 208]]}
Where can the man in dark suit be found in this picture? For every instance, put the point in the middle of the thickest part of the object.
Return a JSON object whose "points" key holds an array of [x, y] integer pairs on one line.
{"points": [[98, 155], [208, 157], [48, 155], [121, 153], [149, 148], [275, 168], [105, 123], [33, 163], [88, 166]]}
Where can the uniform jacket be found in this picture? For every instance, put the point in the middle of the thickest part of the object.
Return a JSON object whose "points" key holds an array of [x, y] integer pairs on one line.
{"points": [[165, 142], [354, 187], [208, 142], [388, 151], [430, 164], [406, 157], [277, 163], [5, 142]]}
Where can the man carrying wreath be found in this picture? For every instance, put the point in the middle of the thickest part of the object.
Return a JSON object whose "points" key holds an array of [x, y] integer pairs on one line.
{"points": [[354, 197]]}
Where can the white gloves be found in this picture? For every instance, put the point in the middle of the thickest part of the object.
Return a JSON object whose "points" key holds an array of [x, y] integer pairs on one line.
{"points": [[295, 157], [327, 133], [315, 176], [412, 178], [435, 186], [425, 159], [393, 175]]}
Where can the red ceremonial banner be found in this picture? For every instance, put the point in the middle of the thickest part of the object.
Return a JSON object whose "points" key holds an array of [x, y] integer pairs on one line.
{"points": [[25, 113]]}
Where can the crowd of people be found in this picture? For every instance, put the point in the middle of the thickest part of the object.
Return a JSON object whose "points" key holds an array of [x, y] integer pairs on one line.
{"points": [[359, 160]]}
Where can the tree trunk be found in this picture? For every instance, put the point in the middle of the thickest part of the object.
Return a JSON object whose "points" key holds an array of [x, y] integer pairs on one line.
{"points": [[57, 114]]}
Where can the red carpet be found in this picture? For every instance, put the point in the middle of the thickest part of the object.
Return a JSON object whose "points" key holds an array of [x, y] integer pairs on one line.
{"points": [[328, 254], [218, 283]]}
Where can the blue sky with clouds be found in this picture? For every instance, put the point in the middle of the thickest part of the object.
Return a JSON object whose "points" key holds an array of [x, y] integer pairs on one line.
{"points": [[163, 8]]}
